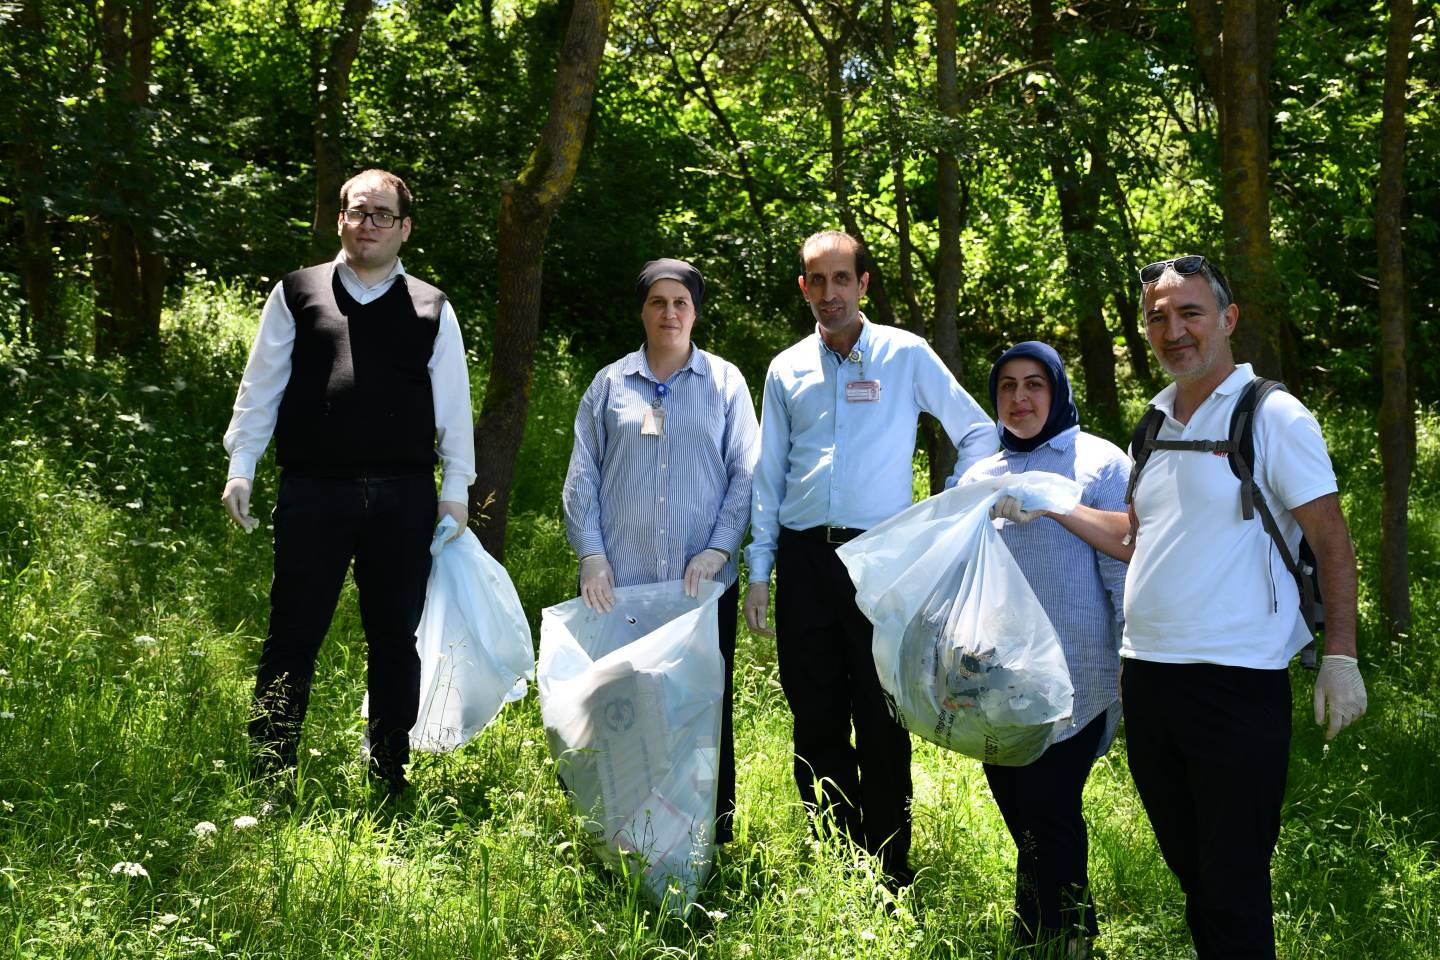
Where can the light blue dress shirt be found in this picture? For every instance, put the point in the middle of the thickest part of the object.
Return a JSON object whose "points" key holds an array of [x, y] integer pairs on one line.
{"points": [[1081, 589], [650, 503], [829, 461]]}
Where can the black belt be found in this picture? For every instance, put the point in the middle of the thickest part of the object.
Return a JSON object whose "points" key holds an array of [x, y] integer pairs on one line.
{"points": [[833, 536]]}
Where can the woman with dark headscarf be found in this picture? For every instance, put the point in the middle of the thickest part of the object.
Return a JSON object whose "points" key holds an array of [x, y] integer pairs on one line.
{"points": [[1082, 591], [659, 481]]}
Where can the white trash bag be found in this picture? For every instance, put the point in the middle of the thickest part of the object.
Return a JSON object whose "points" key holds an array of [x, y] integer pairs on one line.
{"points": [[473, 640], [962, 646], [631, 704]]}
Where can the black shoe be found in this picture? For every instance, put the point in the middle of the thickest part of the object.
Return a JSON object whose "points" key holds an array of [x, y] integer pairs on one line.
{"points": [[391, 782], [279, 798]]}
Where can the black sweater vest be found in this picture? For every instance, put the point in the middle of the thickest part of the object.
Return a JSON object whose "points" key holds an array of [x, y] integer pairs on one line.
{"points": [[358, 402]]}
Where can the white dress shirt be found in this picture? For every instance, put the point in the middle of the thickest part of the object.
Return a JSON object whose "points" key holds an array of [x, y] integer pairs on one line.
{"points": [[832, 461], [267, 373]]}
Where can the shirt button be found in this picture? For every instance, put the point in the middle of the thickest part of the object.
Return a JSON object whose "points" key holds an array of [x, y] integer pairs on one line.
{"points": [[664, 465], [662, 500], [662, 562]]}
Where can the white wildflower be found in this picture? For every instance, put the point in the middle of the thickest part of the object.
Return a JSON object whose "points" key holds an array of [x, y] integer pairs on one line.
{"points": [[218, 764], [130, 869], [245, 822], [204, 828], [7, 805], [717, 915], [866, 935], [7, 714], [145, 640], [314, 752], [166, 919]]}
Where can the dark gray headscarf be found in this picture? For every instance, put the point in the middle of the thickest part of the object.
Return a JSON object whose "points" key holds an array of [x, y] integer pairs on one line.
{"points": [[668, 269]]}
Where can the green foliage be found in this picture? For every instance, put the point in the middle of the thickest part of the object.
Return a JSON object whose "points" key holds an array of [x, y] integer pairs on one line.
{"points": [[130, 617]]}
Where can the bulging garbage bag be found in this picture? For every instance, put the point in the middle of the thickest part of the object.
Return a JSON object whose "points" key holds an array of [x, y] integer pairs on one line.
{"points": [[474, 643], [631, 704], [962, 647]]}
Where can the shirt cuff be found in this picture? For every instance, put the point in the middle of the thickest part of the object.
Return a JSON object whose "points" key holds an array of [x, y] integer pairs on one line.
{"points": [[728, 540], [242, 465], [760, 565], [455, 487], [589, 544]]}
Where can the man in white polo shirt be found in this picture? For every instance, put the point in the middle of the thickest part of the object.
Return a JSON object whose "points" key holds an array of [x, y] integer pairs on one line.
{"points": [[1212, 616]]}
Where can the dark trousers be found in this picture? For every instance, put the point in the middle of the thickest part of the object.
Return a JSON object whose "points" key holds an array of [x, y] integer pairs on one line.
{"points": [[1208, 748], [1041, 806], [385, 525], [828, 675], [725, 787]]}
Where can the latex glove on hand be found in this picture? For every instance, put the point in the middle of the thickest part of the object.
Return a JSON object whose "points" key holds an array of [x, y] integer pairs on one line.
{"points": [[705, 565], [1009, 508], [1339, 686], [757, 609], [237, 503], [597, 583], [456, 511]]}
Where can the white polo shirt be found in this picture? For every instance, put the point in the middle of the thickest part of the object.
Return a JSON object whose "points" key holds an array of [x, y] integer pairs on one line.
{"points": [[1206, 585]]}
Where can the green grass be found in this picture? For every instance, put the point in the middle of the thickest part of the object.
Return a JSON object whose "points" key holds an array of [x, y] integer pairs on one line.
{"points": [[130, 613]]}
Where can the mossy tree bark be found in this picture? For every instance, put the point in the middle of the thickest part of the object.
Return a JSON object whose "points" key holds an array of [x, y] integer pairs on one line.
{"points": [[527, 205]]}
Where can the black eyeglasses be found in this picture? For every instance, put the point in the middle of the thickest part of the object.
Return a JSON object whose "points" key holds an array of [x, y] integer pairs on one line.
{"points": [[1184, 266], [379, 218]]}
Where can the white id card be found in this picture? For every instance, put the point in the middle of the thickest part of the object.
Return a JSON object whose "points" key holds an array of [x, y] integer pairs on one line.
{"points": [[862, 391], [654, 423]]}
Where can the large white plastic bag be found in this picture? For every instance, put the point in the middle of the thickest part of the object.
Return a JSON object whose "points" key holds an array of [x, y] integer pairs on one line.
{"points": [[473, 640], [631, 704], [962, 646]]}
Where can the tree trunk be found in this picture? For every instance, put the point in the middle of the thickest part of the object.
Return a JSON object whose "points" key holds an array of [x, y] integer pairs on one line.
{"points": [[945, 334], [332, 87], [42, 325], [1396, 415], [527, 205], [1079, 212], [835, 51], [129, 271], [913, 319], [1235, 45]]}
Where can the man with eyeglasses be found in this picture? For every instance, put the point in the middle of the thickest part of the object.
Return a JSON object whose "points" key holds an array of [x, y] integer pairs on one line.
{"points": [[359, 372], [1212, 615]]}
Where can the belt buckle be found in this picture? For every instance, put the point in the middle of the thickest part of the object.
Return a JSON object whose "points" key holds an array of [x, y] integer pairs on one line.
{"points": [[830, 536]]}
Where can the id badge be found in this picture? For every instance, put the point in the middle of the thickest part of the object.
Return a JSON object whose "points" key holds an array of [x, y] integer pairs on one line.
{"points": [[654, 423], [862, 391]]}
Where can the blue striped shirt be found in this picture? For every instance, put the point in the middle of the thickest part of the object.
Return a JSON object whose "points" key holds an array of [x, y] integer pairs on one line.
{"points": [[1081, 589], [828, 461], [648, 503]]}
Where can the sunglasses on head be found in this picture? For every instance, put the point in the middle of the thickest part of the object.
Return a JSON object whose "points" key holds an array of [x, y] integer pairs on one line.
{"points": [[1183, 266]]}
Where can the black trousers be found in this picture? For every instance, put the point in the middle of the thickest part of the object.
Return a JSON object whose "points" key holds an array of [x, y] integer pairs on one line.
{"points": [[1208, 748], [828, 675], [1041, 806], [321, 524], [725, 787]]}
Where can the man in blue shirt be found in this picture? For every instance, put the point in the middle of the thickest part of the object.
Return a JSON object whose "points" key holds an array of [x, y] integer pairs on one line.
{"points": [[837, 441]]}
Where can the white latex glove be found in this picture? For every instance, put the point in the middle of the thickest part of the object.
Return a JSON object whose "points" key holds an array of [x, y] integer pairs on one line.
{"points": [[703, 566], [757, 608], [1009, 508], [445, 531], [456, 511], [237, 503], [597, 583], [1339, 685]]}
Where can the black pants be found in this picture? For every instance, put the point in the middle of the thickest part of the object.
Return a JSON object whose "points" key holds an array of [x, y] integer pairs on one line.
{"points": [[385, 525], [1041, 806], [1208, 748], [725, 787], [828, 674]]}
